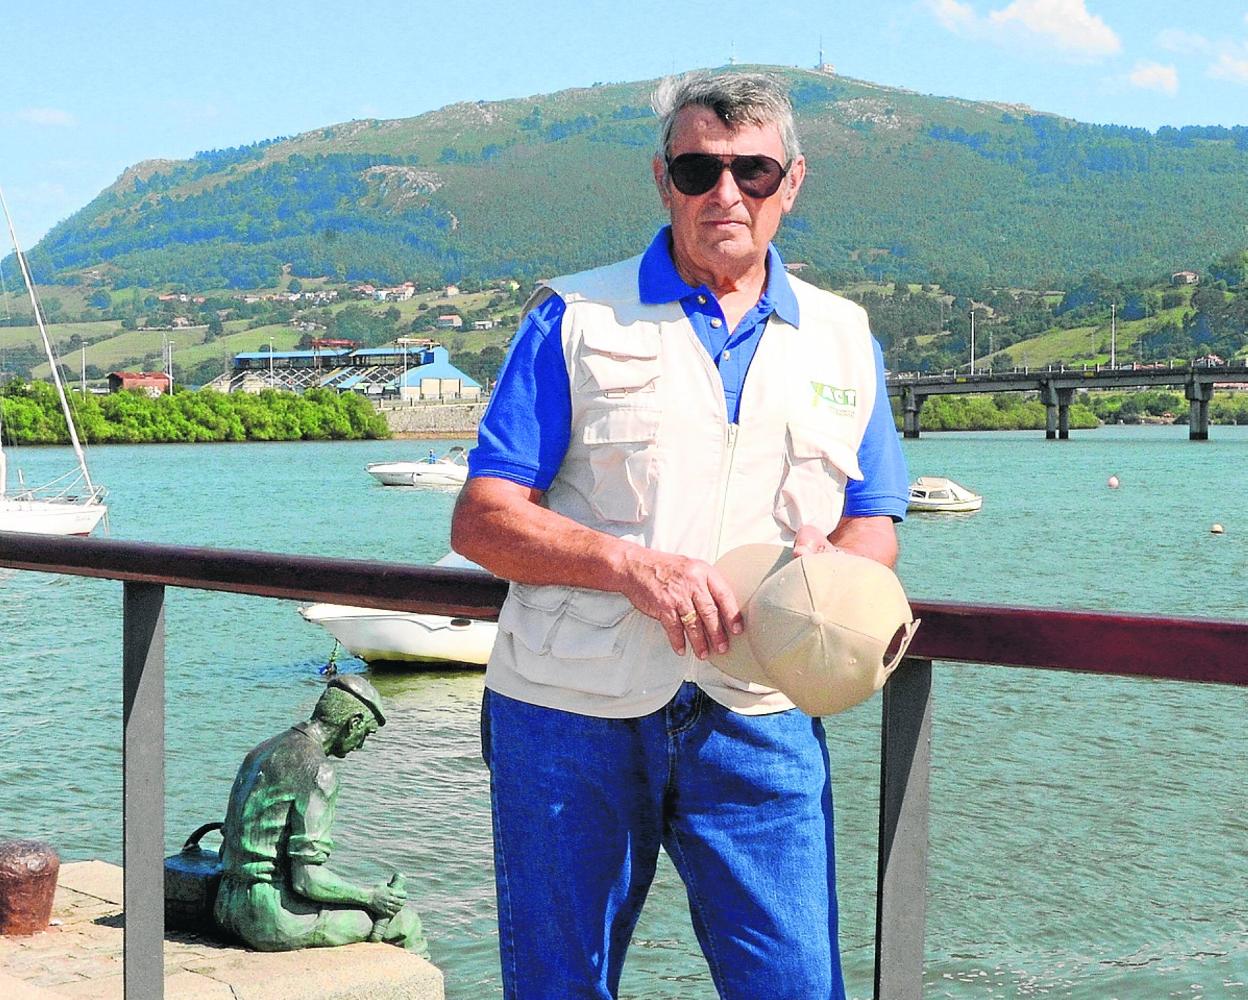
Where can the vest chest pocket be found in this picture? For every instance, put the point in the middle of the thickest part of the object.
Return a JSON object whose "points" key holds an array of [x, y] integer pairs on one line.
{"points": [[615, 367], [816, 468], [623, 459]]}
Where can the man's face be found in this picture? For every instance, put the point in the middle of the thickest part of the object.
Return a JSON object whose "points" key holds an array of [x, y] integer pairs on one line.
{"points": [[353, 734], [723, 230]]}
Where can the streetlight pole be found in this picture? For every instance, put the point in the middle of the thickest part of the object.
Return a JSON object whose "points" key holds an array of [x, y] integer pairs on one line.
{"points": [[972, 341], [166, 360], [270, 362], [1113, 335]]}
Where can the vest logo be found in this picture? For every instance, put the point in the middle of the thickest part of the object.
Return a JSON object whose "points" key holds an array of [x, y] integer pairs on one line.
{"points": [[843, 402]]}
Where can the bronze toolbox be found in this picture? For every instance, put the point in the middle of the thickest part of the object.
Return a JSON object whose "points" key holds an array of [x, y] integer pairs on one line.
{"points": [[192, 877]]}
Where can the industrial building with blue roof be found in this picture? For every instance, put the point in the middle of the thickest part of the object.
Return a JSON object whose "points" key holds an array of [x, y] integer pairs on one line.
{"points": [[420, 372]]}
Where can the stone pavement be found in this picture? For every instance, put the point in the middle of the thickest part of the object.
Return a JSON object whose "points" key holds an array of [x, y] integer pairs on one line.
{"points": [[80, 958]]}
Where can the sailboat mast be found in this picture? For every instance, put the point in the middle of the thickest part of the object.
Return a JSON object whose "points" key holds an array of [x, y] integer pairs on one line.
{"points": [[47, 346], [4, 467]]}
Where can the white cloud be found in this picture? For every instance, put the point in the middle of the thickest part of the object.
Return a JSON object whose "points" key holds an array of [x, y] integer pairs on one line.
{"points": [[46, 116], [1230, 67], [1155, 76], [1065, 25], [1068, 23], [1186, 42], [954, 16], [1228, 58]]}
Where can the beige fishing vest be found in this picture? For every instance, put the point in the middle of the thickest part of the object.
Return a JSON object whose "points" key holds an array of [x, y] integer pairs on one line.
{"points": [[653, 459]]}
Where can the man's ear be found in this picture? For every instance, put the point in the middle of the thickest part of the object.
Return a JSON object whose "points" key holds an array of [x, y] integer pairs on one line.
{"points": [[792, 183], [659, 166]]}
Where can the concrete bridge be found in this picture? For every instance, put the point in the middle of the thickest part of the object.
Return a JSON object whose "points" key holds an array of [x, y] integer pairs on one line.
{"points": [[1056, 385]]}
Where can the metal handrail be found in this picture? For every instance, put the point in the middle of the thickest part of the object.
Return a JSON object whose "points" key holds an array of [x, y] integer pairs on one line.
{"points": [[1134, 645], [432, 589], [1185, 649]]}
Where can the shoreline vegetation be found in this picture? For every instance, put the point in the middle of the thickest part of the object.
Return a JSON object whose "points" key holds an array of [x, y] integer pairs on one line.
{"points": [[32, 416]]}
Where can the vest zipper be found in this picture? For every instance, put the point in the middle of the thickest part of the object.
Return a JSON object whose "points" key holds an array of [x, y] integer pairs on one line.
{"points": [[730, 447]]}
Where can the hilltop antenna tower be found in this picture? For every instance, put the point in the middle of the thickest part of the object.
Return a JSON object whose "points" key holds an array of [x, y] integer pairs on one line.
{"points": [[821, 66]]}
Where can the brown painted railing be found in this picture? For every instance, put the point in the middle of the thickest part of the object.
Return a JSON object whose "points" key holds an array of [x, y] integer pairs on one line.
{"points": [[1184, 649]]}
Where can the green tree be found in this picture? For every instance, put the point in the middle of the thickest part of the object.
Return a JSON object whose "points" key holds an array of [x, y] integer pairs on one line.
{"points": [[33, 416]]}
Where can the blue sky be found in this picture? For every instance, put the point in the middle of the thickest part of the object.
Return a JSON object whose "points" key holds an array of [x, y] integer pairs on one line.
{"points": [[90, 88]]}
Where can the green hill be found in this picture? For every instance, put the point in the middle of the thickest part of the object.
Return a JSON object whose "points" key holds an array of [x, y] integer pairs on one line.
{"points": [[901, 186]]}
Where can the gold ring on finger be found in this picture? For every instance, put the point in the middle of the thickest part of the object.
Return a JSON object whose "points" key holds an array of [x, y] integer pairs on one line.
{"points": [[688, 618]]}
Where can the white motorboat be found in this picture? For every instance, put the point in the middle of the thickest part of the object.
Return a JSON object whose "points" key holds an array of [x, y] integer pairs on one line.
{"points": [[935, 494], [376, 635], [71, 504], [449, 470]]}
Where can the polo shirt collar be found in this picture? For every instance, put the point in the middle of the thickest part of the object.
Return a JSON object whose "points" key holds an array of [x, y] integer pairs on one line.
{"points": [[658, 281]]}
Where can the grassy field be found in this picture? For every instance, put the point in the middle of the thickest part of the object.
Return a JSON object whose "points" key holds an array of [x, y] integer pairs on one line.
{"points": [[60, 334], [1090, 344], [72, 298]]}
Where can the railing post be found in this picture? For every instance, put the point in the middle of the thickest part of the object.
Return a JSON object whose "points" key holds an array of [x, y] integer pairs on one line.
{"points": [[905, 793], [143, 788]]}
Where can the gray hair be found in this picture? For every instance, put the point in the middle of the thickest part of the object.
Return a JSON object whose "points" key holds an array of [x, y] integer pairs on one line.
{"points": [[736, 98]]}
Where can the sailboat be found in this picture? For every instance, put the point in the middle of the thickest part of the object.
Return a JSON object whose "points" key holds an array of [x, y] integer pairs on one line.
{"points": [[71, 504]]}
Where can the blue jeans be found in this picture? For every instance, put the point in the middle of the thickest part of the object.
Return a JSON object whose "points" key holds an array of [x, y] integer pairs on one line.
{"points": [[742, 804]]}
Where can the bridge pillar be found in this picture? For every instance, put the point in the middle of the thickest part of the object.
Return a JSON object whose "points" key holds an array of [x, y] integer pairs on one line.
{"points": [[1064, 396], [911, 402], [1198, 396], [1048, 396]]}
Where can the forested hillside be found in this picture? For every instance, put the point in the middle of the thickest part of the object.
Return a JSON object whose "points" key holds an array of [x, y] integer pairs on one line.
{"points": [[1091, 320], [901, 186]]}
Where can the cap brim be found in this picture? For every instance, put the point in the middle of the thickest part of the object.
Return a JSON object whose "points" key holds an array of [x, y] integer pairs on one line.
{"points": [[745, 568]]}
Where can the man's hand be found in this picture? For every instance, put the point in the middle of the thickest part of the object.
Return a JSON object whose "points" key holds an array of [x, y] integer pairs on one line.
{"points": [[810, 540], [386, 900], [688, 597], [872, 537]]}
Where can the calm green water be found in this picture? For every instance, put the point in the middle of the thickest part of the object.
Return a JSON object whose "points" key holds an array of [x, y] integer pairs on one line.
{"points": [[1089, 835]]}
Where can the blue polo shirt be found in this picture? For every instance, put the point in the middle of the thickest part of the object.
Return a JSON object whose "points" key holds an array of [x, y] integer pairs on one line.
{"points": [[527, 426]]}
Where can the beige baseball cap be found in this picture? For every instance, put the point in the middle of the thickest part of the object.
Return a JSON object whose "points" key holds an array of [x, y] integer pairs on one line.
{"points": [[817, 628]]}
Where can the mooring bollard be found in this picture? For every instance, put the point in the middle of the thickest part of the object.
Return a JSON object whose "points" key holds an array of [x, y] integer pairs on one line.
{"points": [[28, 870]]}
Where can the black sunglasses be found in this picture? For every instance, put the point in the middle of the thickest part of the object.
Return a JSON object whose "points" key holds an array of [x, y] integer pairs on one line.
{"points": [[756, 175]]}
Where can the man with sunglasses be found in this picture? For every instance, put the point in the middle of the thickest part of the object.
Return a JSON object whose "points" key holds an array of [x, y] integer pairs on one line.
{"points": [[624, 450]]}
